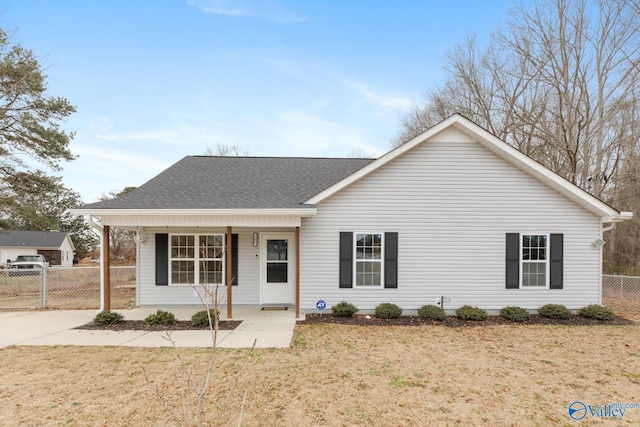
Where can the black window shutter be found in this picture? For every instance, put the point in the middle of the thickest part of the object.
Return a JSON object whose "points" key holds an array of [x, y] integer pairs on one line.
{"points": [[234, 259], [513, 261], [556, 265], [346, 259], [391, 260], [162, 259]]}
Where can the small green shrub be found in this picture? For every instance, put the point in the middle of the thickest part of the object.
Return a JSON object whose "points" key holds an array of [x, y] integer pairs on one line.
{"points": [[388, 311], [344, 309], [598, 312], [515, 314], [201, 318], [466, 312], [160, 318], [108, 318], [555, 311], [431, 312]]}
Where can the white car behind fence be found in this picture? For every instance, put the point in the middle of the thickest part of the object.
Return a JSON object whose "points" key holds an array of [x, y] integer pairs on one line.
{"points": [[29, 261]]}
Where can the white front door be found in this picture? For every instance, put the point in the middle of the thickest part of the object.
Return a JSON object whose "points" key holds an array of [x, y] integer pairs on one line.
{"points": [[276, 271]]}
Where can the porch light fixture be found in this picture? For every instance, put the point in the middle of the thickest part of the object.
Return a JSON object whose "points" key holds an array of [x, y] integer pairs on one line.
{"points": [[255, 239]]}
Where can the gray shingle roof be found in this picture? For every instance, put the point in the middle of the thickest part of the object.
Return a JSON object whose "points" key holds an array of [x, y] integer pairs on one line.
{"points": [[211, 182], [32, 239]]}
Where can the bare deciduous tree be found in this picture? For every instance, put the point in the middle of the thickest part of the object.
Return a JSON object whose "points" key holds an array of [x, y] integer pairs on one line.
{"points": [[560, 82], [225, 150], [359, 153], [122, 241]]}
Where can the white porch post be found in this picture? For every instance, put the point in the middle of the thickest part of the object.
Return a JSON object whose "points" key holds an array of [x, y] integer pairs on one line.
{"points": [[105, 269], [101, 268], [297, 272]]}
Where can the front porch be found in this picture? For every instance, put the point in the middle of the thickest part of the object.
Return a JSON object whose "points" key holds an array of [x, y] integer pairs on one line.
{"points": [[246, 266]]}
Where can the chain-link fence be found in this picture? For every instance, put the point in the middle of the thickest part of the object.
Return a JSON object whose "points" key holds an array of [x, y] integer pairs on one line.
{"points": [[79, 288], [65, 288], [621, 293]]}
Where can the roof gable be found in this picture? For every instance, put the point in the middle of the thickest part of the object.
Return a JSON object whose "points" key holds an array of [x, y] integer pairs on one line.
{"points": [[500, 148]]}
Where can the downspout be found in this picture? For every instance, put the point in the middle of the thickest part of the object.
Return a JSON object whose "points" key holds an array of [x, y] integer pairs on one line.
{"points": [[98, 228], [600, 267]]}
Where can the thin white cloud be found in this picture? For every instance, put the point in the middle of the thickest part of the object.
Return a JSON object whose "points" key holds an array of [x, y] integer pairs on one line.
{"points": [[270, 10], [310, 135], [182, 137], [386, 103], [100, 170], [120, 161], [319, 74], [100, 124]]}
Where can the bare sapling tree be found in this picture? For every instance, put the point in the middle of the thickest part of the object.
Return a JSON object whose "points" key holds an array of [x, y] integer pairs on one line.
{"points": [[194, 383]]}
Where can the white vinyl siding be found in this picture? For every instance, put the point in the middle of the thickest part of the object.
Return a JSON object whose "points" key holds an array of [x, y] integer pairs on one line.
{"points": [[452, 201]]}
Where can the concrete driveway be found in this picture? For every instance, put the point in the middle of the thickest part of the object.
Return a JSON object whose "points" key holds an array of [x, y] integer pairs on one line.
{"points": [[268, 329]]}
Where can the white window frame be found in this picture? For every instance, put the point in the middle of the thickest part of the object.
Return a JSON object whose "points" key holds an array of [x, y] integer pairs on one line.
{"points": [[356, 260], [546, 261], [197, 259]]}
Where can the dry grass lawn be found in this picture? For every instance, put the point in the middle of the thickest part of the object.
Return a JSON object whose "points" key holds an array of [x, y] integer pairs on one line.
{"points": [[339, 375]]}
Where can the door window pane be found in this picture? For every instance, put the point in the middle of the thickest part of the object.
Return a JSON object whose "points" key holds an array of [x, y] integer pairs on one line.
{"points": [[277, 249], [277, 272]]}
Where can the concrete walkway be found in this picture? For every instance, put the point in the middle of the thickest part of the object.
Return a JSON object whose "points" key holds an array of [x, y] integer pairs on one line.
{"points": [[268, 329]]}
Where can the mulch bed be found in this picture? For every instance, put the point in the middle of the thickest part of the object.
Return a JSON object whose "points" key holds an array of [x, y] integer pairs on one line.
{"points": [[140, 325], [455, 322]]}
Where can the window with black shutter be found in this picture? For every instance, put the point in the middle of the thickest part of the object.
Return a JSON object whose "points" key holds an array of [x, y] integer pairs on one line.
{"points": [[368, 260], [534, 261]]}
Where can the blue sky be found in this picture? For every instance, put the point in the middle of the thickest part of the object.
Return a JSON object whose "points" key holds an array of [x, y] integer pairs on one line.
{"points": [[156, 80]]}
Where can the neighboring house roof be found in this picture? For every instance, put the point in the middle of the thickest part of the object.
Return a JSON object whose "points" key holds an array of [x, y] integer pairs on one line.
{"points": [[498, 147], [32, 239], [235, 183]]}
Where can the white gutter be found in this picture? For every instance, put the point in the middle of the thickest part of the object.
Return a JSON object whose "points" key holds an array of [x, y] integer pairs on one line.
{"points": [[94, 224], [301, 212], [624, 216], [613, 220]]}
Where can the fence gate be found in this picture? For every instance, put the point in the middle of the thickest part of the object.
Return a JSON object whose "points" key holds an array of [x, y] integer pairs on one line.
{"points": [[65, 288]]}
